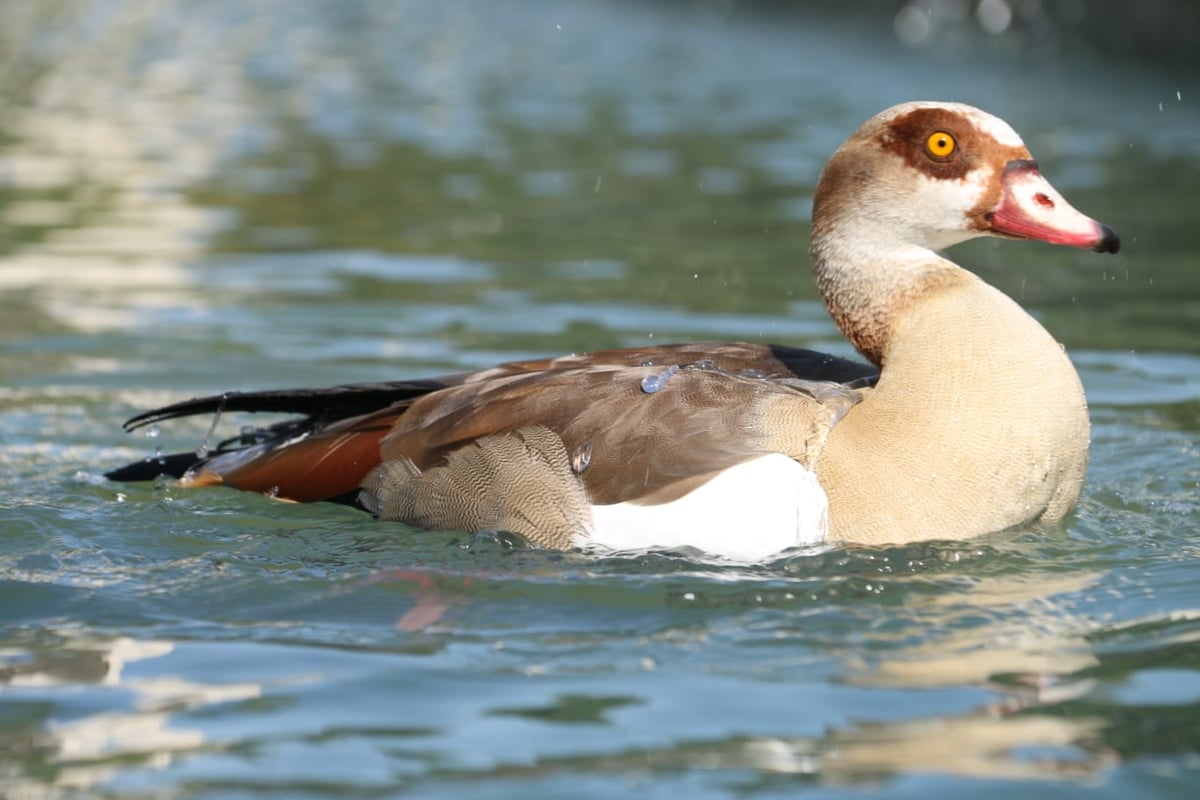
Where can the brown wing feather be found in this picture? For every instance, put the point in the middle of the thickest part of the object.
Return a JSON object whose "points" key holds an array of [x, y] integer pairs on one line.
{"points": [[736, 400], [639, 444], [769, 360]]}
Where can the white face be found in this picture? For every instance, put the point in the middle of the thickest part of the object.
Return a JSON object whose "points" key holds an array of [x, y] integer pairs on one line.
{"points": [[941, 213], [943, 173], [933, 201]]}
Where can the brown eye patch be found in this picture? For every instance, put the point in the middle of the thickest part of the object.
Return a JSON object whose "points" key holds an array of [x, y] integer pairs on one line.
{"points": [[936, 141]]}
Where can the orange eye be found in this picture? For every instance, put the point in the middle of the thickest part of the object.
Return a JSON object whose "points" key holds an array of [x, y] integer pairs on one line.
{"points": [[941, 144]]}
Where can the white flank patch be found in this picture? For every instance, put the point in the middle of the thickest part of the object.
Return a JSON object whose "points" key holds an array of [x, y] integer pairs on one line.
{"points": [[748, 513]]}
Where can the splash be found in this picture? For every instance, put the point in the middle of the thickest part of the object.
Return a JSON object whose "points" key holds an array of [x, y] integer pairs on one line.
{"points": [[205, 447]]}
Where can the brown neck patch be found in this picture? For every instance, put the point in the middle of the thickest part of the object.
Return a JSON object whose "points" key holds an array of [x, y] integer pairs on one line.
{"points": [[869, 326]]}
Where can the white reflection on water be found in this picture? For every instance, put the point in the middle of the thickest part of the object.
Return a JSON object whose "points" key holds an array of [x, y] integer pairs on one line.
{"points": [[102, 714], [984, 746], [1028, 635]]}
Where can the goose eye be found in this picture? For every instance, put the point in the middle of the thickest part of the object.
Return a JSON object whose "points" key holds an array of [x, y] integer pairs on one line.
{"points": [[941, 144]]}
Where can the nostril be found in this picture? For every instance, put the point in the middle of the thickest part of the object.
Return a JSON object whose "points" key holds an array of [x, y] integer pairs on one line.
{"points": [[1043, 200]]}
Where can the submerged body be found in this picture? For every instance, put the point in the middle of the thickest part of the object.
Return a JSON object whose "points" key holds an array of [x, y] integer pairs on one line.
{"points": [[968, 419]]}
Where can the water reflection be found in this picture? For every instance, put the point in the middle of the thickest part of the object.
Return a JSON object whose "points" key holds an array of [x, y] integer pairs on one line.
{"points": [[86, 718], [1026, 637], [1001, 677], [89, 721]]}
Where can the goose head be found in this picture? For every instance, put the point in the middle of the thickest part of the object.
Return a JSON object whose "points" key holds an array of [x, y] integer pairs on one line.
{"points": [[930, 175]]}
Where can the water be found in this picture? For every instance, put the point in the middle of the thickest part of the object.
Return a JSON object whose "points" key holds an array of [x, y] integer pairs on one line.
{"points": [[201, 197]]}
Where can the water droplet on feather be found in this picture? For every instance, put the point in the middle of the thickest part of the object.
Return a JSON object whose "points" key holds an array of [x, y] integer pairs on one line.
{"points": [[581, 457], [205, 448], [655, 382]]}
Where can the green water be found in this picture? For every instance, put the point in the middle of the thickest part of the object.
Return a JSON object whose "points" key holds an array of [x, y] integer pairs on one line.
{"points": [[206, 196]]}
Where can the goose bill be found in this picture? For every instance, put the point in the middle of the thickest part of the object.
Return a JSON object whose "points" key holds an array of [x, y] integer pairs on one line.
{"points": [[1030, 208]]}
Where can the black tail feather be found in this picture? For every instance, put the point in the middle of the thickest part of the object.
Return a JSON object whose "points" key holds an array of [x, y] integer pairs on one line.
{"points": [[317, 407], [331, 403], [176, 465], [151, 467]]}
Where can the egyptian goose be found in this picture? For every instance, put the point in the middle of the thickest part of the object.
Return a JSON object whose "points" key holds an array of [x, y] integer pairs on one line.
{"points": [[969, 418]]}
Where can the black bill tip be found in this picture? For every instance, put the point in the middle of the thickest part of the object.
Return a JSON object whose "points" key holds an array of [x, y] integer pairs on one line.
{"points": [[1109, 242]]}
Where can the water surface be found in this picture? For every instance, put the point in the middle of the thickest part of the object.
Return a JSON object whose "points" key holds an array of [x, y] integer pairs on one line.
{"points": [[199, 197]]}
